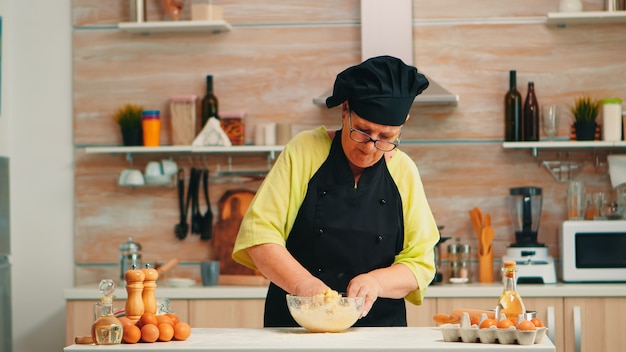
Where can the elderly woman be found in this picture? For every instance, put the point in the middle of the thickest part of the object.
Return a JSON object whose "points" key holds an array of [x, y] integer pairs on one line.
{"points": [[346, 209]]}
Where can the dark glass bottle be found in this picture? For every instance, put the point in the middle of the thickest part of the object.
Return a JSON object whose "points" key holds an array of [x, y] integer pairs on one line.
{"points": [[209, 102], [512, 111], [531, 115]]}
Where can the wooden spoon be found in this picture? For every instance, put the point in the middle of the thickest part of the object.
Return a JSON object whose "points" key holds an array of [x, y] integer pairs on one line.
{"points": [[476, 218], [486, 239]]}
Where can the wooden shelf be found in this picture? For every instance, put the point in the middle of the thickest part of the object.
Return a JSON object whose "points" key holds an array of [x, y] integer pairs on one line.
{"points": [[561, 19], [175, 26], [564, 144], [270, 149], [535, 146]]}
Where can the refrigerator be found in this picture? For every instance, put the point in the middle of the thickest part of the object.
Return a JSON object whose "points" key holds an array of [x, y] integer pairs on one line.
{"points": [[6, 343]]}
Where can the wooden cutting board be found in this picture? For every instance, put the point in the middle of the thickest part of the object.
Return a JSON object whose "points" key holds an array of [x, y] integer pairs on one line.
{"points": [[232, 207]]}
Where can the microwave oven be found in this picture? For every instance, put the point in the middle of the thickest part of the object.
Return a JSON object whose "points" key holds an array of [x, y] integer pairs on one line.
{"points": [[593, 251]]}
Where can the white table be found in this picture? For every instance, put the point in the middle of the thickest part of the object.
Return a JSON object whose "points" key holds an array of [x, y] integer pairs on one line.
{"points": [[297, 339]]}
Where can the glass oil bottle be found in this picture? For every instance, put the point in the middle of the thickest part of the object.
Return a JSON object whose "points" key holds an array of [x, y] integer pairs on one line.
{"points": [[510, 302], [107, 329]]}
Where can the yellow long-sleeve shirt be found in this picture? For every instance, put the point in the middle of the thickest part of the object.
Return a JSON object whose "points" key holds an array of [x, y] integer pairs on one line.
{"points": [[271, 214]]}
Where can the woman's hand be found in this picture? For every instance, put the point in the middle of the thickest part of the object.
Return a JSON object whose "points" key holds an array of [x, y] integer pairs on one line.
{"points": [[395, 281], [365, 285], [309, 286]]}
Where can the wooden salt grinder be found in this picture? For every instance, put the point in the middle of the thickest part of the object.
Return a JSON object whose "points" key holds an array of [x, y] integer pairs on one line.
{"points": [[149, 288], [134, 287]]}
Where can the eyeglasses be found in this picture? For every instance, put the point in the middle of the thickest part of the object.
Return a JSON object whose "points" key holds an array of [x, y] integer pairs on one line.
{"points": [[362, 137]]}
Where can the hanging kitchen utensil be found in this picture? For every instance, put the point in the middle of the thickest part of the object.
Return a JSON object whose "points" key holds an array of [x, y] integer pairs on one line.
{"points": [[181, 228], [196, 216], [207, 220]]}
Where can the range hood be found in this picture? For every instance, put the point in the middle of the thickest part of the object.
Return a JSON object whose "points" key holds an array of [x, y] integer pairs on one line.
{"points": [[387, 29]]}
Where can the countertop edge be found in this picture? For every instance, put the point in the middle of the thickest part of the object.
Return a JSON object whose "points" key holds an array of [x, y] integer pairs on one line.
{"points": [[471, 290]]}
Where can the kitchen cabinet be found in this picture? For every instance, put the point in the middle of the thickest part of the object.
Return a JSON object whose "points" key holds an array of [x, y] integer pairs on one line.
{"points": [[79, 315], [422, 315], [594, 324], [227, 313]]}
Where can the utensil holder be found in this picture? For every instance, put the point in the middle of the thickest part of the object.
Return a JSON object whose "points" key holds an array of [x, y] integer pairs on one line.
{"points": [[485, 267]]}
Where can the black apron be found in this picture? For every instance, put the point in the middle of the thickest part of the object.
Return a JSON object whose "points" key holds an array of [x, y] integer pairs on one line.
{"points": [[342, 231]]}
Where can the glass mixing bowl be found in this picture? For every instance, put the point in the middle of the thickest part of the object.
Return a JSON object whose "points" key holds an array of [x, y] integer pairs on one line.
{"points": [[325, 314]]}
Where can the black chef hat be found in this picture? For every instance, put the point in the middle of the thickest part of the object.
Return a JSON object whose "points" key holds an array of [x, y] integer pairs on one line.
{"points": [[380, 89]]}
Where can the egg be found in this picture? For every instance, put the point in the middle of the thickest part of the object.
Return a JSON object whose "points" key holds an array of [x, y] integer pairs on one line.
{"points": [[164, 319], [182, 331], [132, 334], [126, 322], [538, 323], [526, 325], [174, 317], [166, 332], [147, 318], [149, 333], [505, 324], [487, 323]]}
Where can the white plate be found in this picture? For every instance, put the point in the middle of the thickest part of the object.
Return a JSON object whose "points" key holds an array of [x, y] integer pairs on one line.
{"points": [[458, 280], [181, 282]]}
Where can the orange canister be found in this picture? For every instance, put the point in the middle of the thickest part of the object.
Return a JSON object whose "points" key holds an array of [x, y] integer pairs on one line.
{"points": [[151, 126]]}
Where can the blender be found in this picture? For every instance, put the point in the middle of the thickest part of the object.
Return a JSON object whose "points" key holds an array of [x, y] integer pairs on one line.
{"points": [[534, 263]]}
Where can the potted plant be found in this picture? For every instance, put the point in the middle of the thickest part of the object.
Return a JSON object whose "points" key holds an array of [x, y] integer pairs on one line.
{"points": [[129, 119], [585, 110]]}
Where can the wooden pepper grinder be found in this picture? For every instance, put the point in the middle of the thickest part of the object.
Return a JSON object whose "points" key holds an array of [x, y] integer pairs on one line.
{"points": [[149, 288], [134, 287]]}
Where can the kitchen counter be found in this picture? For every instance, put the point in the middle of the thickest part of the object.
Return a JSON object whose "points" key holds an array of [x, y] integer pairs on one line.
{"points": [[472, 290], [297, 339]]}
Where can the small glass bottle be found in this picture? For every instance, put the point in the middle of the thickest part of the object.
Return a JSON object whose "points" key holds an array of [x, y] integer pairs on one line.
{"points": [[107, 329], [531, 115], [510, 303], [210, 104]]}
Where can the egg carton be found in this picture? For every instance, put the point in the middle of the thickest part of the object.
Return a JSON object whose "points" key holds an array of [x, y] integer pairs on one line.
{"points": [[472, 334]]}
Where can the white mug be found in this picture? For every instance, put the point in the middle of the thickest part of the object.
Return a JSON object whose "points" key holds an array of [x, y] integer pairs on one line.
{"points": [[169, 167], [154, 168], [130, 177]]}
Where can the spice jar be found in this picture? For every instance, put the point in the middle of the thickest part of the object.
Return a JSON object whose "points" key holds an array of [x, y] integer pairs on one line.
{"points": [[151, 126], [459, 262], [612, 119], [183, 112]]}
